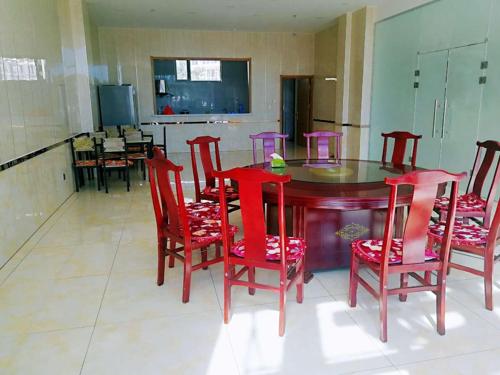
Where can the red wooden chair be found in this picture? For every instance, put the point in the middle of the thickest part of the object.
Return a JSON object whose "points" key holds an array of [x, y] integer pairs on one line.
{"points": [[258, 249], [210, 192], [172, 220], [323, 139], [472, 204], [409, 254], [269, 144], [473, 239], [398, 152], [195, 210]]}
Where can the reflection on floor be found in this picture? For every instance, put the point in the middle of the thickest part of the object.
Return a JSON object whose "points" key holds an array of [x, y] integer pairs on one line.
{"points": [[80, 297]]}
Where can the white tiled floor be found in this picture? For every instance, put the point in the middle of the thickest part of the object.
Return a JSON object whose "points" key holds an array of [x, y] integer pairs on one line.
{"points": [[81, 298]]}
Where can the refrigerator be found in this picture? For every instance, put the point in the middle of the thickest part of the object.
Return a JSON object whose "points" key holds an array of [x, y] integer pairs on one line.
{"points": [[117, 105]]}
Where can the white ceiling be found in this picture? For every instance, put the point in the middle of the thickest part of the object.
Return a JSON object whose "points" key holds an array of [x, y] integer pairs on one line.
{"points": [[251, 15]]}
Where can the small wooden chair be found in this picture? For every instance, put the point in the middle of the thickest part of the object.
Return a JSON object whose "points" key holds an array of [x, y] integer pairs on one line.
{"points": [[258, 249], [136, 152], [323, 140], [171, 220], [210, 192], [472, 204], [85, 157], [114, 156], [409, 254], [477, 240], [398, 152], [269, 144]]}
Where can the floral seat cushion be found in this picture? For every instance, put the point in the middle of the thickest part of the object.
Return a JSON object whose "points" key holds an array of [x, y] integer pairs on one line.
{"points": [[371, 251], [203, 210], [117, 163], [294, 250], [85, 163], [463, 234], [214, 192], [208, 230], [137, 155], [465, 203]]}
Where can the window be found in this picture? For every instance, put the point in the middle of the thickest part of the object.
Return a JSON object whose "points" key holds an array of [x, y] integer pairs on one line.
{"points": [[205, 70], [181, 67]]}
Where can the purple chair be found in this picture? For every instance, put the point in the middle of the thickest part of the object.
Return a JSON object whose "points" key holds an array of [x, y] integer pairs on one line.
{"points": [[268, 139], [323, 138]]}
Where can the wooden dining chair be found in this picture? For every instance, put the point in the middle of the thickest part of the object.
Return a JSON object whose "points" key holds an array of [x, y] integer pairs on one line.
{"points": [[195, 210], [211, 190], [114, 156], [398, 153], [323, 143], [136, 152], [84, 155], [409, 254], [175, 227], [477, 240], [472, 204], [257, 249], [268, 144]]}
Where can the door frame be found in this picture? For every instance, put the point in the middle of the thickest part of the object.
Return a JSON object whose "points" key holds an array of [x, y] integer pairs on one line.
{"points": [[311, 90]]}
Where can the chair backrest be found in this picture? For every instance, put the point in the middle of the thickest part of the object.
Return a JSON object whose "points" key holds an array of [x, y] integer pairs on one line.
{"points": [[323, 143], [83, 144], [268, 143], [169, 208], [113, 145], [134, 135], [203, 144], [481, 168], [425, 188], [398, 152], [494, 229], [250, 181]]}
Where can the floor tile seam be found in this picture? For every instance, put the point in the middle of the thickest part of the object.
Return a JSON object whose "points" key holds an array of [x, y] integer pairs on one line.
{"points": [[46, 226], [38, 332], [323, 286], [400, 365], [100, 305], [224, 326], [158, 317]]}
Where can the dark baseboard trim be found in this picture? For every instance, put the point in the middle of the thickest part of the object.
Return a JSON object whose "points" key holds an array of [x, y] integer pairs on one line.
{"points": [[327, 121], [21, 159]]}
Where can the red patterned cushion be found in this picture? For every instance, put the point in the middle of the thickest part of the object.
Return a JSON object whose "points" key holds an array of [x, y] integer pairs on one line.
{"points": [[208, 230], [465, 203], [371, 251], [294, 250], [203, 210], [137, 155], [463, 234], [214, 192], [85, 163], [118, 163]]}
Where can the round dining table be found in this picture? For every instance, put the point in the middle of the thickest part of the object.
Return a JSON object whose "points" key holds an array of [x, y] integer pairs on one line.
{"points": [[330, 203]]}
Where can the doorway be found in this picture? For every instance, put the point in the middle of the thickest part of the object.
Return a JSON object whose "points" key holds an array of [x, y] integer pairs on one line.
{"points": [[296, 107]]}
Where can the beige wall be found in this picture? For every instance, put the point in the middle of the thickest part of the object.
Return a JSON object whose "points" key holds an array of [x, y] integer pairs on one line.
{"points": [[34, 111], [127, 52]]}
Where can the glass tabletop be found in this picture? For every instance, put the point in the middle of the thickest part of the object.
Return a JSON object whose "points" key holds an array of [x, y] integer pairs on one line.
{"points": [[338, 171]]}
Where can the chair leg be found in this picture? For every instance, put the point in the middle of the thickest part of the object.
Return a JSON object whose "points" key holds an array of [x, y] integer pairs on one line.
{"points": [[98, 175], [282, 321], [383, 309], [171, 259], [105, 182], [300, 285], [353, 281], [143, 164], [227, 293], [441, 302], [127, 171], [427, 277], [161, 262], [488, 281], [251, 279], [186, 287], [204, 257], [403, 284], [77, 182]]}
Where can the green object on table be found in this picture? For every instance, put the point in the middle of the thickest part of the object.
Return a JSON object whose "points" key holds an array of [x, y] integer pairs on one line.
{"points": [[278, 163]]}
